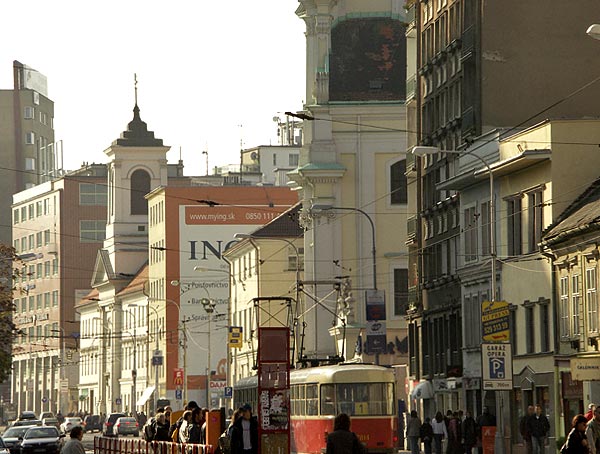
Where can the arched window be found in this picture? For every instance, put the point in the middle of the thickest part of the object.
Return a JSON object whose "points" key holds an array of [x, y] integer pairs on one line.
{"points": [[398, 183], [140, 186]]}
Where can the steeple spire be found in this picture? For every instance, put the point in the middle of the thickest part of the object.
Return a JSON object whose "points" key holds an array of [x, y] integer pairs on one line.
{"points": [[135, 86]]}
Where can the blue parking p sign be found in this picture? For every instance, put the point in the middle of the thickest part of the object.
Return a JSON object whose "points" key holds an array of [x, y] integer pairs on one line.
{"points": [[496, 359], [178, 394], [228, 392]]}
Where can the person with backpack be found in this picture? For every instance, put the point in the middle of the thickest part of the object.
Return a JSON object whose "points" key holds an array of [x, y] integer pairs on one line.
{"points": [[149, 428], [426, 434]]}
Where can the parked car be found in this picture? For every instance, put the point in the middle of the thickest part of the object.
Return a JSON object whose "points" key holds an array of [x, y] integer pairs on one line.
{"points": [[3, 448], [46, 414], [126, 425], [69, 423], [12, 438], [109, 423], [26, 423], [27, 415], [92, 423], [46, 440], [51, 421]]}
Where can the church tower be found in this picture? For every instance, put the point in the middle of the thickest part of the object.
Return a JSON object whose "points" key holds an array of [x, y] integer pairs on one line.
{"points": [[138, 164]]}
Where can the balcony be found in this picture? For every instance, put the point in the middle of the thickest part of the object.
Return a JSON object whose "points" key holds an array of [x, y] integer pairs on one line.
{"points": [[411, 87], [411, 227], [411, 17], [410, 163]]}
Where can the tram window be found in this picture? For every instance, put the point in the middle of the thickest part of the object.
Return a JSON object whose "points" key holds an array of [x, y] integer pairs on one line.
{"points": [[312, 400], [327, 400], [360, 399]]}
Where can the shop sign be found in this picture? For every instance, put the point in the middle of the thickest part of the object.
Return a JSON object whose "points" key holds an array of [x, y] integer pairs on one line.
{"points": [[571, 389], [585, 369]]}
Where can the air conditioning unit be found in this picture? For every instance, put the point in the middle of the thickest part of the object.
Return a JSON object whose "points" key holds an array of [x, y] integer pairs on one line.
{"points": [[52, 248]]}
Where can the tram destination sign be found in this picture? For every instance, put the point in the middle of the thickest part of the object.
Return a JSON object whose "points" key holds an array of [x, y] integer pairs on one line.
{"points": [[495, 321]]}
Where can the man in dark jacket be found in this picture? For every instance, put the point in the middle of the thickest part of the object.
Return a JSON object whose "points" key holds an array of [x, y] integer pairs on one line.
{"points": [[524, 429], [538, 426], [244, 436]]}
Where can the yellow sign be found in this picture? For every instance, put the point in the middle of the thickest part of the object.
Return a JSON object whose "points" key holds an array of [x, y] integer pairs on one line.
{"points": [[585, 369], [235, 337], [495, 321]]}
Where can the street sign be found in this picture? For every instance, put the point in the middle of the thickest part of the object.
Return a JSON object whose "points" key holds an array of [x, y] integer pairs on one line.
{"points": [[376, 336], [178, 394], [497, 366], [228, 392], [64, 385], [495, 321], [178, 377], [118, 401], [235, 336], [157, 360], [44, 399], [375, 303]]}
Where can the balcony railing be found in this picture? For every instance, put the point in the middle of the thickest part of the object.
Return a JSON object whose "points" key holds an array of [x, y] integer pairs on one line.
{"points": [[411, 87]]}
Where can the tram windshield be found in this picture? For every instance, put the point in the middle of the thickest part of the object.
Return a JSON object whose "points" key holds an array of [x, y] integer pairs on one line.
{"points": [[358, 399]]}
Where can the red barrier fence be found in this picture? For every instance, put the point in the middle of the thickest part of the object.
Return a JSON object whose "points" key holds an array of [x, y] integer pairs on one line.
{"points": [[109, 445]]}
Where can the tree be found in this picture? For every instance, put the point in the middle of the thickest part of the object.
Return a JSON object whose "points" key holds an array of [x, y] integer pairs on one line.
{"points": [[10, 271]]}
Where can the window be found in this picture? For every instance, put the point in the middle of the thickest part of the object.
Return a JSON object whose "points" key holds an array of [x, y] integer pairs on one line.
{"points": [[274, 159], [400, 291], [47, 269], [47, 299], [470, 234], [591, 299], [93, 194], [530, 332], [16, 216], [39, 236], [39, 269], [92, 231], [55, 298], [140, 186], [54, 266], [575, 303], [293, 160], [485, 229], [294, 260], [46, 237], [312, 399], [16, 245], [38, 208], [29, 138], [29, 113], [30, 164], [23, 214], [38, 301], [46, 206], [513, 219], [535, 218], [31, 303], [545, 328], [398, 193], [31, 272], [31, 211]]}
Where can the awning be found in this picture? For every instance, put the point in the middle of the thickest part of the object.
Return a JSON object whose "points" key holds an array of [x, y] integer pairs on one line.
{"points": [[145, 396], [423, 390]]}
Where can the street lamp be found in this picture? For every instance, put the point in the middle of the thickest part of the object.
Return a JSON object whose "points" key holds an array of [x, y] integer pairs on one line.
{"points": [[423, 151], [209, 307], [593, 31], [322, 207]]}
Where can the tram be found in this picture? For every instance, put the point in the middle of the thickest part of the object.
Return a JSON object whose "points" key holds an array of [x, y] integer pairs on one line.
{"points": [[365, 392]]}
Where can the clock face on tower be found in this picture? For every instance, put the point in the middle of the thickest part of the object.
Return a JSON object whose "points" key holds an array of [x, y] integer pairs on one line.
{"points": [[368, 60]]}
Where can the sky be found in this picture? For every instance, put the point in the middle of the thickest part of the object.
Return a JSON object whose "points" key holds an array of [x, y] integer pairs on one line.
{"points": [[203, 67]]}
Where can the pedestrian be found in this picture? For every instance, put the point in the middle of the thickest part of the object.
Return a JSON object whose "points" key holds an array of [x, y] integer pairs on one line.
{"points": [[177, 424], [486, 419], [590, 413], [426, 434], [194, 435], [183, 432], [413, 429], [454, 435], [161, 428], [538, 426], [244, 439], [469, 433], [577, 442], [341, 440], [439, 432], [524, 429], [74, 445], [592, 432]]}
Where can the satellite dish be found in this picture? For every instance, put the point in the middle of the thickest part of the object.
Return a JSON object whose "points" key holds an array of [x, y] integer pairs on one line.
{"points": [[254, 156]]}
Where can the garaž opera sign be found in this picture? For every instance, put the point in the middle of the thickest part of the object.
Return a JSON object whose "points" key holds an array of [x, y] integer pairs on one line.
{"points": [[585, 369]]}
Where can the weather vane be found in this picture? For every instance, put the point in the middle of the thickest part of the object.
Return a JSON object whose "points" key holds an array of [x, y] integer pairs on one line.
{"points": [[135, 86]]}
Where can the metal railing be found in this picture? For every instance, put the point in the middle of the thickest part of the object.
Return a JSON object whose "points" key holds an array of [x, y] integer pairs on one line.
{"points": [[110, 445]]}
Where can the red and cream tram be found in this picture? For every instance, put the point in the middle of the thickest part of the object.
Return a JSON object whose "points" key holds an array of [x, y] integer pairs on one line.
{"points": [[318, 394]]}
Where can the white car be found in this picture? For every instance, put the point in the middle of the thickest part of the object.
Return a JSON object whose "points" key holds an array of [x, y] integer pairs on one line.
{"points": [[69, 423]]}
